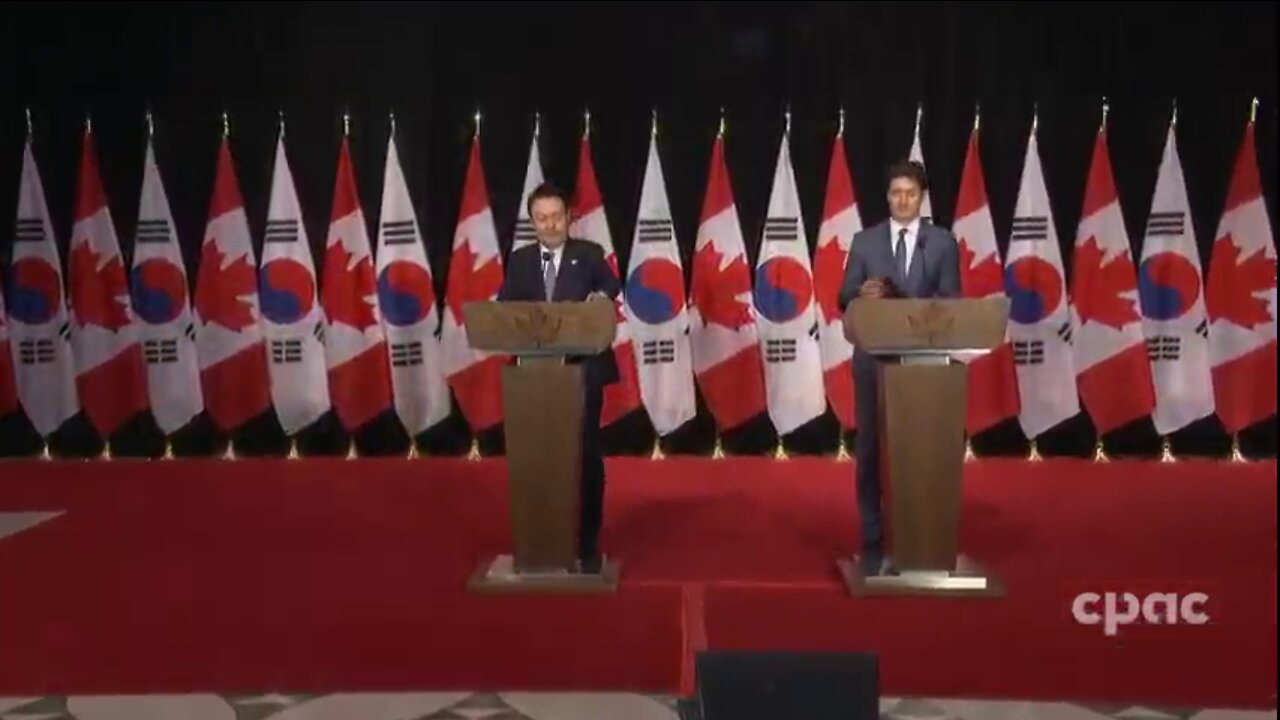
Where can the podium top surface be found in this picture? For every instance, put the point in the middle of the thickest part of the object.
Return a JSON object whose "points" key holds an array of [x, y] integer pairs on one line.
{"points": [[541, 328], [915, 326]]}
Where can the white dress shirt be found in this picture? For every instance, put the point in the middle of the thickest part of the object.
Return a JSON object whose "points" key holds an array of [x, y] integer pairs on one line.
{"points": [[913, 234]]}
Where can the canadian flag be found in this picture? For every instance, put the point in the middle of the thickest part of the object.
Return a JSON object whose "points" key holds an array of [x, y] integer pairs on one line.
{"points": [[533, 177], [917, 154], [1110, 352], [590, 223], [8, 390], [1241, 299], [233, 359], [475, 275], [110, 378], [162, 304], [993, 384], [788, 317], [293, 322], [723, 337], [355, 347], [1174, 319], [39, 326], [841, 220], [1039, 316], [656, 307], [407, 300]]}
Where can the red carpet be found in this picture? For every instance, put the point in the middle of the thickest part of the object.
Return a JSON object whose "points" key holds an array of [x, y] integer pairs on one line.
{"points": [[325, 575]]}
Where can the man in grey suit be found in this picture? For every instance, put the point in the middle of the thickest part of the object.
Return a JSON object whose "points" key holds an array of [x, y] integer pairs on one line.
{"points": [[904, 256]]}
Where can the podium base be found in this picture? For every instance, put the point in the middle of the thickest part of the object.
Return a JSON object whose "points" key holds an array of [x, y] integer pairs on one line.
{"points": [[500, 576], [967, 580]]}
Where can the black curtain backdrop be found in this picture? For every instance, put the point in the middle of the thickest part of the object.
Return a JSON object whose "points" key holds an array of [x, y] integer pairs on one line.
{"points": [[435, 64]]}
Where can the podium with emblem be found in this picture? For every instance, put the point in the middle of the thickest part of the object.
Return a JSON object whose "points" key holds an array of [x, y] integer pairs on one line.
{"points": [[922, 347], [543, 406]]}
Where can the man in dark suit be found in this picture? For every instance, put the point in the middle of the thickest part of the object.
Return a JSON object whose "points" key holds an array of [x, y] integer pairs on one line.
{"points": [[904, 256], [558, 268]]}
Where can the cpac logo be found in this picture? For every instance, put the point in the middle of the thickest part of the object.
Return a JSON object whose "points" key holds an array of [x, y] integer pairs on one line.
{"points": [[1128, 609]]}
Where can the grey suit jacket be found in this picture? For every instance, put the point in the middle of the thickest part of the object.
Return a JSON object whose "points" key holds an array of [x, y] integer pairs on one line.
{"points": [[934, 271]]}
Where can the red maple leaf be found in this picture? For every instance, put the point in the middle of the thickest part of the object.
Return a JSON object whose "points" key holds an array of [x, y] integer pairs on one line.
{"points": [[467, 283], [346, 289], [96, 293], [981, 280], [715, 291], [828, 273], [218, 289], [1097, 287], [1229, 292]]}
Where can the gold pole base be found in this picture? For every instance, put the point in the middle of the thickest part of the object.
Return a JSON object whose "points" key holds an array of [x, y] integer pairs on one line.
{"points": [[45, 454], [1100, 453], [1166, 452], [106, 451], [230, 454], [969, 455], [780, 453], [351, 450], [1034, 455], [168, 450], [718, 452], [293, 449], [842, 455], [474, 454], [657, 450], [413, 450], [1236, 455]]}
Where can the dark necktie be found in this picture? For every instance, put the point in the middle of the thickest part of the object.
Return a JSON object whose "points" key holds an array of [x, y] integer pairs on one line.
{"points": [[548, 273], [900, 254]]}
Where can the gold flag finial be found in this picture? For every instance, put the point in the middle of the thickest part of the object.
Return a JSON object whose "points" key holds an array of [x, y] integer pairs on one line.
{"points": [[391, 120], [977, 115], [346, 122], [280, 121], [45, 454], [718, 452], [842, 453], [537, 124], [653, 124], [919, 116], [1237, 455], [787, 115], [168, 450], [30, 131], [720, 132], [1253, 111], [1035, 118], [474, 455], [151, 125], [230, 454], [1173, 119], [780, 453], [1034, 454], [293, 449], [840, 127], [351, 450], [586, 122], [226, 125], [1106, 110], [88, 123], [969, 454], [1100, 453], [477, 122], [1166, 451], [413, 450], [657, 450]]}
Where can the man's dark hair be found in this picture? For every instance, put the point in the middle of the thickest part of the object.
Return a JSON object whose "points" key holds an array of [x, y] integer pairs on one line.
{"points": [[911, 170], [543, 191]]}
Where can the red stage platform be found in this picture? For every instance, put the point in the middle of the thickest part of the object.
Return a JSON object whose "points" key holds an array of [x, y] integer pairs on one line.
{"points": [[327, 575]]}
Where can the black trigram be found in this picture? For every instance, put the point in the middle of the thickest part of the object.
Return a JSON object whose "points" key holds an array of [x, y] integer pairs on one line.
{"points": [[780, 351], [64, 332], [160, 352], [190, 332], [781, 229], [1164, 348], [155, 232], [525, 232], [399, 232], [286, 352], [1064, 332], [654, 231], [1203, 329], [29, 230], [1028, 352], [318, 332], [658, 352], [39, 351], [282, 231], [1030, 228], [1167, 223], [406, 354]]}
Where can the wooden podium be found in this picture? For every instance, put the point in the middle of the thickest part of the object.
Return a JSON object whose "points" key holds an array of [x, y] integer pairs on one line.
{"points": [[543, 404], [920, 346]]}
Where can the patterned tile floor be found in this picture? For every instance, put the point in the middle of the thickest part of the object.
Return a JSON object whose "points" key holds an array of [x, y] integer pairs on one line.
{"points": [[532, 706]]}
